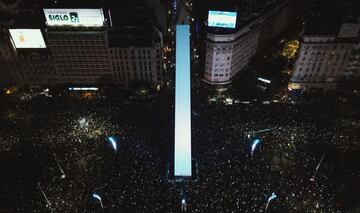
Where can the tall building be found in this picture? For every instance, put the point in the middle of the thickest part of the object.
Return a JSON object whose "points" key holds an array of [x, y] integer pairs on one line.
{"points": [[325, 50], [137, 63], [78, 40], [136, 44], [72, 51], [228, 51], [321, 61], [77, 43], [10, 71], [8, 12], [22, 63], [37, 67], [352, 69], [81, 56]]}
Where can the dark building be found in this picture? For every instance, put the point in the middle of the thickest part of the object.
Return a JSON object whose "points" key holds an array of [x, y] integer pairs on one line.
{"points": [[24, 66], [84, 42], [328, 53], [136, 42]]}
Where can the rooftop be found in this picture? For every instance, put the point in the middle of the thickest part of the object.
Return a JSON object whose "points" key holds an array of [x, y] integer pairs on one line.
{"points": [[327, 16], [137, 36], [133, 24], [247, 11], [323, 24]]}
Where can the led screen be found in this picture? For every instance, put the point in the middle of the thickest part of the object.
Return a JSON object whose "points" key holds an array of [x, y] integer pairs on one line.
{"points": [[74, 17], [27, 38], [222, 19]]}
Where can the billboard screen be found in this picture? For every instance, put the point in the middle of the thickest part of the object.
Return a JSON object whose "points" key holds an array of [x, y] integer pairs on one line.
{"points": [[27, 38], [74, 17], [222, 19]]}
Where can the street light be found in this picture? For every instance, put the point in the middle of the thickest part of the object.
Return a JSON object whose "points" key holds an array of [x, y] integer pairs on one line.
{"points": [[96, 196], [183, 205], [317, 168], [272, 197], [48, 203], [61, 170], [113, 143], [253, 146]]}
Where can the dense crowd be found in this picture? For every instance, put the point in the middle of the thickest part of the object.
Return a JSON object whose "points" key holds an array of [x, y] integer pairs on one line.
{"points": [[48, 136]]}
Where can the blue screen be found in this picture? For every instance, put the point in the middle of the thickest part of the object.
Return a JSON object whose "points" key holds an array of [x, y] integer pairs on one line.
{"points": [[222, 19]]}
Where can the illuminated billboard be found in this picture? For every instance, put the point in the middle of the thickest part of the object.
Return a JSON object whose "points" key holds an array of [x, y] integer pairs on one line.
{"points": [[74, 17], [27, 38], [182, 160], [222, 19]]}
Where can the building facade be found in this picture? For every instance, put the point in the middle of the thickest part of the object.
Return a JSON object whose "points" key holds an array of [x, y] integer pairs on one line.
{"points": [[352, 69], [10, 72], [22, 66], [136, 45], [320, 62], [81, 53], [81, 56], [142, 64], [226, 55], [37, 67], [328, 55]]}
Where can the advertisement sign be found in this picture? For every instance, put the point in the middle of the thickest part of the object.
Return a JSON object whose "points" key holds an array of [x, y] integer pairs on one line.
{"points": [[222, 19], [74, 17], [27, 38]]}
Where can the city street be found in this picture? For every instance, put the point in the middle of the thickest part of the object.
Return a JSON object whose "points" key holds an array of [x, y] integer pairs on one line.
{"points": [[203, 106], [134, 177]]}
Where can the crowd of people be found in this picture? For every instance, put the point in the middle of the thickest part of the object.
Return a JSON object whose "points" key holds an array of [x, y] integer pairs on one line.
{"points": [[64, 144]]}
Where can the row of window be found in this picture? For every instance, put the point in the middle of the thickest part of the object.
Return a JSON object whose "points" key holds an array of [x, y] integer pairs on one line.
{"points": [[331, 57], [78, 36], [133, 57], [142, 76], [221, 75], [82, 72], [325, 46], [81, 52], [82, 40], [317, 69], [84, 63], [79, 47], [132, 51]]}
